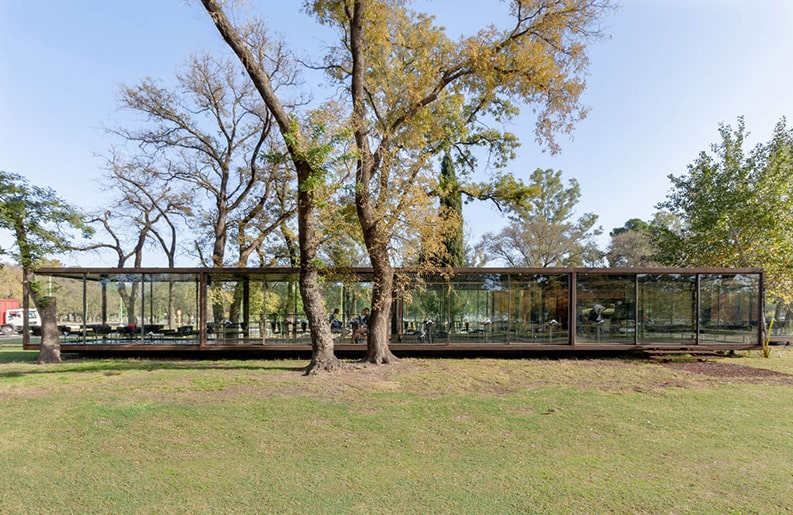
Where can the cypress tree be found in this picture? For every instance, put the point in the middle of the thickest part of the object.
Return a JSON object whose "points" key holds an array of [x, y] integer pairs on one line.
{"points": [[451, 199]]}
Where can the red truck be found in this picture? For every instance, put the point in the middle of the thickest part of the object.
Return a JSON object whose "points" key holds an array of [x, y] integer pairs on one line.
{"points": [[11, 317]]}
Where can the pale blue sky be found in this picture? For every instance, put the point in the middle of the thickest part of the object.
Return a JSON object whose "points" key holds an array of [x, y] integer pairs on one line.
{"points": [[657, 88]]}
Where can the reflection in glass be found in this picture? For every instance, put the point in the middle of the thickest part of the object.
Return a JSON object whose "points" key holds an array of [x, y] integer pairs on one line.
{"points": [[667, 307], [426, 308], [258, 307], [539, 309], [606, 308], [781, 313], [350, 296], [728, 308]]}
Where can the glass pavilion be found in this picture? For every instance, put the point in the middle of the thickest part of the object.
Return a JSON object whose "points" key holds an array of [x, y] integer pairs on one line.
{"points": [[471, 308]]}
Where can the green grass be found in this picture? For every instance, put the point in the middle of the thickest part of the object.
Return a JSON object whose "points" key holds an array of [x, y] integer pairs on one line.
{"points": [[424, 436]]}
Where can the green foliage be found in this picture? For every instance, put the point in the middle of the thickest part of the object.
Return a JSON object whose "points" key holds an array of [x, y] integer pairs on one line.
{"points": [[417, 76], [542, 232], [452, 251], [505, 190], [41, 223], [10, 281], [634, 224], [735, 208], [632, 244], [417, 93]]}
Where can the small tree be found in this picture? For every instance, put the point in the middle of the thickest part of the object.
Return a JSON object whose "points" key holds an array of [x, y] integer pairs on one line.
{"points": [[632, 245], [41, 224], [542, 231]]}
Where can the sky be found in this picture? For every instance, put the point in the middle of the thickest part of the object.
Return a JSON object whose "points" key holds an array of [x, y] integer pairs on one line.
{"points": [[669, 72]]}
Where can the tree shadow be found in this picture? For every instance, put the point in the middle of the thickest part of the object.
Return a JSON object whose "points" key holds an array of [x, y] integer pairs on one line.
{"points": [[75, 363]]}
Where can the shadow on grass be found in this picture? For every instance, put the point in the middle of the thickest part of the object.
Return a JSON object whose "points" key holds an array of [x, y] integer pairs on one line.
{"points": [[74, 363], [17, 356]]}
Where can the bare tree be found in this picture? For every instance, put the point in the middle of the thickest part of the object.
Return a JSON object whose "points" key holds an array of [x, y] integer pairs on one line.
{"points": [[207, 135], [146, 212]]}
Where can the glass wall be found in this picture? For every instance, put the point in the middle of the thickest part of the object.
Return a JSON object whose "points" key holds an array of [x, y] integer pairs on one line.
{"points": [[92, 308], [728, 308], [170, 303], [498, 306], [267, 308], [667, 307], [782, 315], [606, 308], [539, 309], [427, 310], [251, 307], [486, 308]]}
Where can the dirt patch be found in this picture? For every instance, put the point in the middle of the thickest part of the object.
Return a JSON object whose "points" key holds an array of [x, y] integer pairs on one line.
{"points": [[731, 371]]}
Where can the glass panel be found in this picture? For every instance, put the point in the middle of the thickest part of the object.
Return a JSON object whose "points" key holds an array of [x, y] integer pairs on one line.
{"points": [[124, 305], [155, 308], [425, 311], [345, 299], [283, 305], [224, 301], [606, 308], [255, 308], [471, 307], [479, 308], [118, 307], [781, 314], [99, 309], [538, 309], [170, 308], [667, 308], [728, 311], [68, 293], [333, 292]]}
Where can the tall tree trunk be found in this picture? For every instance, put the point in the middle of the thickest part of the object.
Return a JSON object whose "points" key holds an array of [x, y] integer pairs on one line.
{"points": [[322, 356], [50, 348], [129, 299], [218, 255], [322, 346], [374, 236], [377, 349]]}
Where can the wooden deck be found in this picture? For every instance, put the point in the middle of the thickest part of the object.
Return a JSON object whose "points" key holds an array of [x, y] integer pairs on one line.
{"points": [[246, 349]]}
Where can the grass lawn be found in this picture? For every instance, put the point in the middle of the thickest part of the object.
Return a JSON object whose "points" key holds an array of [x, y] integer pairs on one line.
{"points": [[423, 436]]}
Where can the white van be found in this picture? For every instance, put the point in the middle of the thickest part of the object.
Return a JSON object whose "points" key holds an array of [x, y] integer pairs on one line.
{"points": [[14, 322]]}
